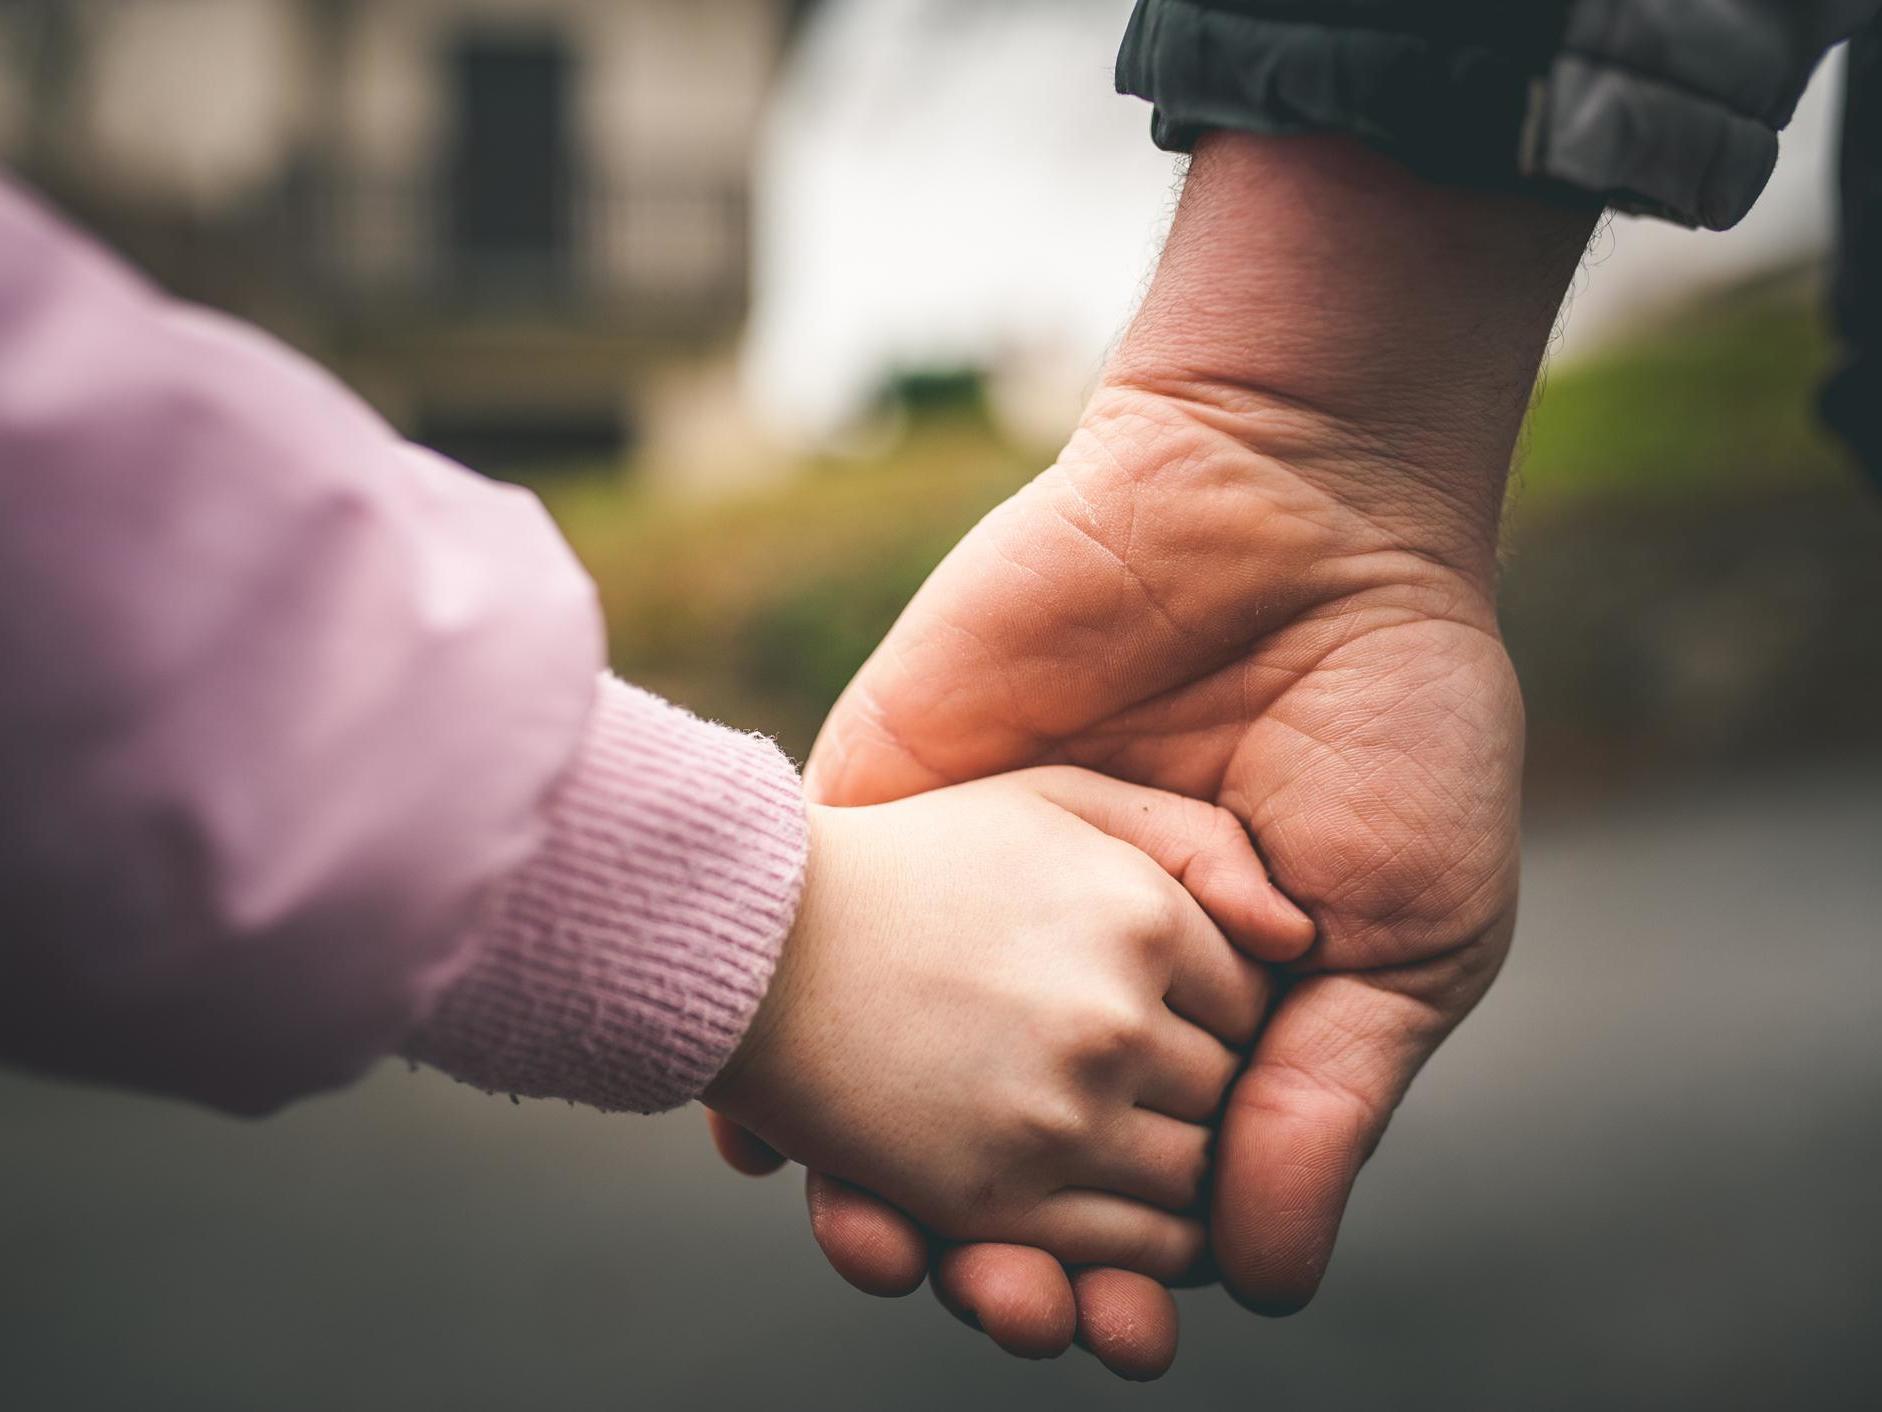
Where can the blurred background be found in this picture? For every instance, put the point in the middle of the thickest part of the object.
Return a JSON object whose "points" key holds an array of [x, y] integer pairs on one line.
{"points": [[770, 300]]}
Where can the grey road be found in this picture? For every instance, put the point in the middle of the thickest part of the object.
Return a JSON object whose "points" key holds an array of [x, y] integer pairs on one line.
{"points": [[1648, 1174]]}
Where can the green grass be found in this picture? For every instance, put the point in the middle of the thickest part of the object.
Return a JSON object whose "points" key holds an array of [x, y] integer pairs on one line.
{"points": [[1723, 402]]}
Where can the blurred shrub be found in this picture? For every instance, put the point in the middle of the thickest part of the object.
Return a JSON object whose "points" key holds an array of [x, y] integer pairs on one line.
{"points": [[1693, 564], [1714, 404], [956, 396]]}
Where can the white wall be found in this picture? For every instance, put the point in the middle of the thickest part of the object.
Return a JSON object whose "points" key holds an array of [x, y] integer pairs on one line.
{"points": [[949, 181], [675, 83], [672, 94], [191, 102]]}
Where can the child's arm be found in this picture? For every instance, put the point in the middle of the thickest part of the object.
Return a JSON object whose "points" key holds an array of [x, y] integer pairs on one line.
{"points": [[999, 1016], [302, 727]]}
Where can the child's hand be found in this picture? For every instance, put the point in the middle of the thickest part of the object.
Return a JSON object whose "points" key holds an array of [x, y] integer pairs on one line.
{"points": [[999, 1013]]}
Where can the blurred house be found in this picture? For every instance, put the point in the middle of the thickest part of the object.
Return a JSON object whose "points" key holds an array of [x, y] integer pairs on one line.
{"points": [[505, 221]]}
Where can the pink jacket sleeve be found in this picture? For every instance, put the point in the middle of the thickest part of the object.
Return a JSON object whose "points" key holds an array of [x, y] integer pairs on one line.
{"points": [[304, 751]]}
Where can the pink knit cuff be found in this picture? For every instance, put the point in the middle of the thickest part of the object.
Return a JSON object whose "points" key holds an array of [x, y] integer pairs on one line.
{"points": [[621, 965]]}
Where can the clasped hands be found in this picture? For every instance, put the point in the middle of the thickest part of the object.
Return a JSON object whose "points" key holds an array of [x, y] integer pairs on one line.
{"points": [[1096, 968], [1248, 617]]}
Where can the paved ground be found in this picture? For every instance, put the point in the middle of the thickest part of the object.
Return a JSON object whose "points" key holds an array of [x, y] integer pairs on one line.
{"points": [[1649, 1174]]}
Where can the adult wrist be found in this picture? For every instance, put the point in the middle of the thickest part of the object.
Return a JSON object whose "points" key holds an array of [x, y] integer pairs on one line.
{"points": [[1343, 506], [1378, 333]]}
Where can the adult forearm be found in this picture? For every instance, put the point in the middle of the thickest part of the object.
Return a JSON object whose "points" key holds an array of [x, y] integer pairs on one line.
{"points": [[1378, 333]]}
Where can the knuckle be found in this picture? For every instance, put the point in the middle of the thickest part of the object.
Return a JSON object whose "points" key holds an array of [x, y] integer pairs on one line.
{"points": [[1104, 1033], [1148, 911], [1053, 1125]]}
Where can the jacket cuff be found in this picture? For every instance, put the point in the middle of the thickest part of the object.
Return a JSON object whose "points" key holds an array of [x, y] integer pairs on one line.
{"points": [[1510, 102], [1450, 107], [621, 965]]}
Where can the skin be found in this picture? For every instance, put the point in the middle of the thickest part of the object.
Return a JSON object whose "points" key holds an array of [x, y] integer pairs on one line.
{"points": [[1001, 1009], [1262, 575]]}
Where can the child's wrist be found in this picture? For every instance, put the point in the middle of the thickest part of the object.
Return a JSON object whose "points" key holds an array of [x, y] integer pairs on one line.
{"points": [[607, 968], [743, 1089]]}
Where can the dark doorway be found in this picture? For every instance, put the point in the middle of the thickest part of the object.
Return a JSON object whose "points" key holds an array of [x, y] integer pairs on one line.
{"points": [[511, 170]]}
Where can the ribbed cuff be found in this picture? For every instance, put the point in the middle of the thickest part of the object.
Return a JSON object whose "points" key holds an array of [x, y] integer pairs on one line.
{"points": [[621, 965]]}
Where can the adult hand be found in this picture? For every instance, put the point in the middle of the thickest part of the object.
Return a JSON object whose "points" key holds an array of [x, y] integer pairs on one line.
{"points": [[1261, 574]]}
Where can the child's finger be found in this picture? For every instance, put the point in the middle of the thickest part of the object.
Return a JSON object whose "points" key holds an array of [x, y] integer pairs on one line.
{"points": [[1228, 878], [1187, 1073], [1214, 985], [1094, 1228], [1153, 1158], [1202, 846]]}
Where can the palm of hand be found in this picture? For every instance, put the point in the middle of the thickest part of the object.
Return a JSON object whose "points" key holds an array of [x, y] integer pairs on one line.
{"points": [[1171, 607]]}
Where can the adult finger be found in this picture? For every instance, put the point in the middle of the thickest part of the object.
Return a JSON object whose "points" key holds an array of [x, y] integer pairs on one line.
{"points": [[741, 1149], [1127, 1322], [1202, 846], [1021, 1298], [866, 1240], [1025, 1301], [1330, 1069]]}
